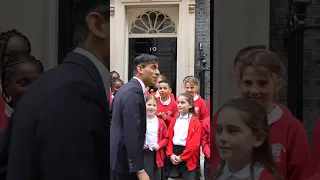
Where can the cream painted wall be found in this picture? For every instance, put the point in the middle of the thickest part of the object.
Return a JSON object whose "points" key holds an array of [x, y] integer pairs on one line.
{"points": [[244, 23], [38, 20]]}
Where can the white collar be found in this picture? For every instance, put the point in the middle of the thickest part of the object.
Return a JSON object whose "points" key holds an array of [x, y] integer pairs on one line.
{"points": [[167, 102], [243, 174], [195, 97], [187, 116], [275, 115], [8, 110], [152, 120], [142, 84]]}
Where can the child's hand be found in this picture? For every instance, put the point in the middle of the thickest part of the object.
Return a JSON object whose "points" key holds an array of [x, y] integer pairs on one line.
{"points": [[173, 159], [157, 95], [178, 159], [155, 147], [145, 147], [162, 115]]}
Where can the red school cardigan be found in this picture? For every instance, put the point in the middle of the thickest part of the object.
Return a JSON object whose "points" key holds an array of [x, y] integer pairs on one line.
{"points": [[205, 137], [191, 153], [162, 142]]}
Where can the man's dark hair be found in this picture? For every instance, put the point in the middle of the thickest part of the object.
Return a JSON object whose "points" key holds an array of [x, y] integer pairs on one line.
{"points": [[80, 10], [244, 51], [166, 82], [144, 60]]}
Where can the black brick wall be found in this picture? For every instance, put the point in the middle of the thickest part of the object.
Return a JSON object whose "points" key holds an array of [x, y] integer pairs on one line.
{"points": [[203, 35], [311, 104]]}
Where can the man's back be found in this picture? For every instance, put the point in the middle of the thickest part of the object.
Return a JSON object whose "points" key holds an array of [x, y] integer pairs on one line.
{"points": [[59, 128], [128, 126]]}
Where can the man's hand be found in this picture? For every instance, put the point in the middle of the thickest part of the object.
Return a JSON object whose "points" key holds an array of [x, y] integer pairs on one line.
{"points": [[143, 175], [145, 147]]}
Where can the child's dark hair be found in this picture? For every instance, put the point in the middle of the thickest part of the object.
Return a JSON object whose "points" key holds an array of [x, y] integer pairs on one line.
{"points": [[166, 82], [255, 117], [4, 39], [114, 72], [8, 67], [115, 81], [245, 50], [189, 99]]}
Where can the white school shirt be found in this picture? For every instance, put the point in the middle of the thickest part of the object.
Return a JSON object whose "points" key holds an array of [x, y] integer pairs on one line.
{"points": [[181, 130], [152, 132], [165, 103], [243, 174]]}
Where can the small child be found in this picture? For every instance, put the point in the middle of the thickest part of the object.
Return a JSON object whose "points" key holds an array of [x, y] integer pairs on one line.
{"points": [[115, 86], [156, 140], [156, 93], [184, 140], [242, 140]]}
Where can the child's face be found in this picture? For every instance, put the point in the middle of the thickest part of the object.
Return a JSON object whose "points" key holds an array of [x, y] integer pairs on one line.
{"points": [[116, 87], [234, 139], [158, 80], [257, 86], [22, 78], [151, 106], [183, 105], [191, 88], [164, 89]]}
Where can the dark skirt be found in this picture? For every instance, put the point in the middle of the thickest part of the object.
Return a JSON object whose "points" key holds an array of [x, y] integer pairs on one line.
{"points": [[150, 165], [180, 170], [207, 169]]}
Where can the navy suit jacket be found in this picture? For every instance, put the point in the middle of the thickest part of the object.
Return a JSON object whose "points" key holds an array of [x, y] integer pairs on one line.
{"points": [[128, 128], [59, 130]]}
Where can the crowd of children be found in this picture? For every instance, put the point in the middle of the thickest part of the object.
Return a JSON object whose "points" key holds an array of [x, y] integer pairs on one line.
{"points": [[176, 129]]}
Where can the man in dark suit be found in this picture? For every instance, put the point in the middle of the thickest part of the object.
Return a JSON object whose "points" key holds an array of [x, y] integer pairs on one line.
{"points": [[59, 129], [128, 125]]}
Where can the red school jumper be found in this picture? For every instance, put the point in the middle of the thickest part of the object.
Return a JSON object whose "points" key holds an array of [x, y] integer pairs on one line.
{"points": [[3, 117], [289, 143], [205, 137], [201, 108], [191, 153], [315, 151], [171, 110], [162, 142]]}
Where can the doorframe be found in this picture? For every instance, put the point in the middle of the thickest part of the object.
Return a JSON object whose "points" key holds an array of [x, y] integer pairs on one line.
{"points": [[185, 35]]}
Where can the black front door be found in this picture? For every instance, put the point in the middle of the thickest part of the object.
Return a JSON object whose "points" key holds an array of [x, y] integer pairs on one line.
{"points": [[164, 48]]}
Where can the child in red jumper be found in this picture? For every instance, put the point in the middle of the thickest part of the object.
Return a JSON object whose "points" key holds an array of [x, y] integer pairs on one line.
{"points": [[242, 140], [259, 80], [205, 143], [156, 140], [157, 94], [184, 140], [191, 86], [115, 86], [167, 107], [208, 108]]}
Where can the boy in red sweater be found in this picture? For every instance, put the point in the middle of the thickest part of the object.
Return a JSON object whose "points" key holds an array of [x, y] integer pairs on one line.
{"points": [[167, 107]]}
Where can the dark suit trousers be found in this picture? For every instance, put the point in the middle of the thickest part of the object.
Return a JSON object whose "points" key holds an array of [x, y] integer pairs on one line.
{"points": [[120, 176]]}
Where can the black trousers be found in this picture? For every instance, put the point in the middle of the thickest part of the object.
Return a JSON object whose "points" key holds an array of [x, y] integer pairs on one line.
{"points": [[207, 169], [120, 176]]}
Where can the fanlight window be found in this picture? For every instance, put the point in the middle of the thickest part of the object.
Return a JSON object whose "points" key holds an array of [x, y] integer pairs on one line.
{"points": [[152, 22]]}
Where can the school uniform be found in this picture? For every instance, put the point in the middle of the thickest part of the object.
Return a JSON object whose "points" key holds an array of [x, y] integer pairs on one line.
{"points": [[3, 113], [169, 107], [289, 144], [184, 141], [111, 97], [170, 94], [260, 173], [156, 133], [200, 107], [205, 143]]}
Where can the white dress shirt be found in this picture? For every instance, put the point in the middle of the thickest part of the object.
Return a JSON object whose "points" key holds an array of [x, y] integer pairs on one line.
{"points": [[152, 132]]}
